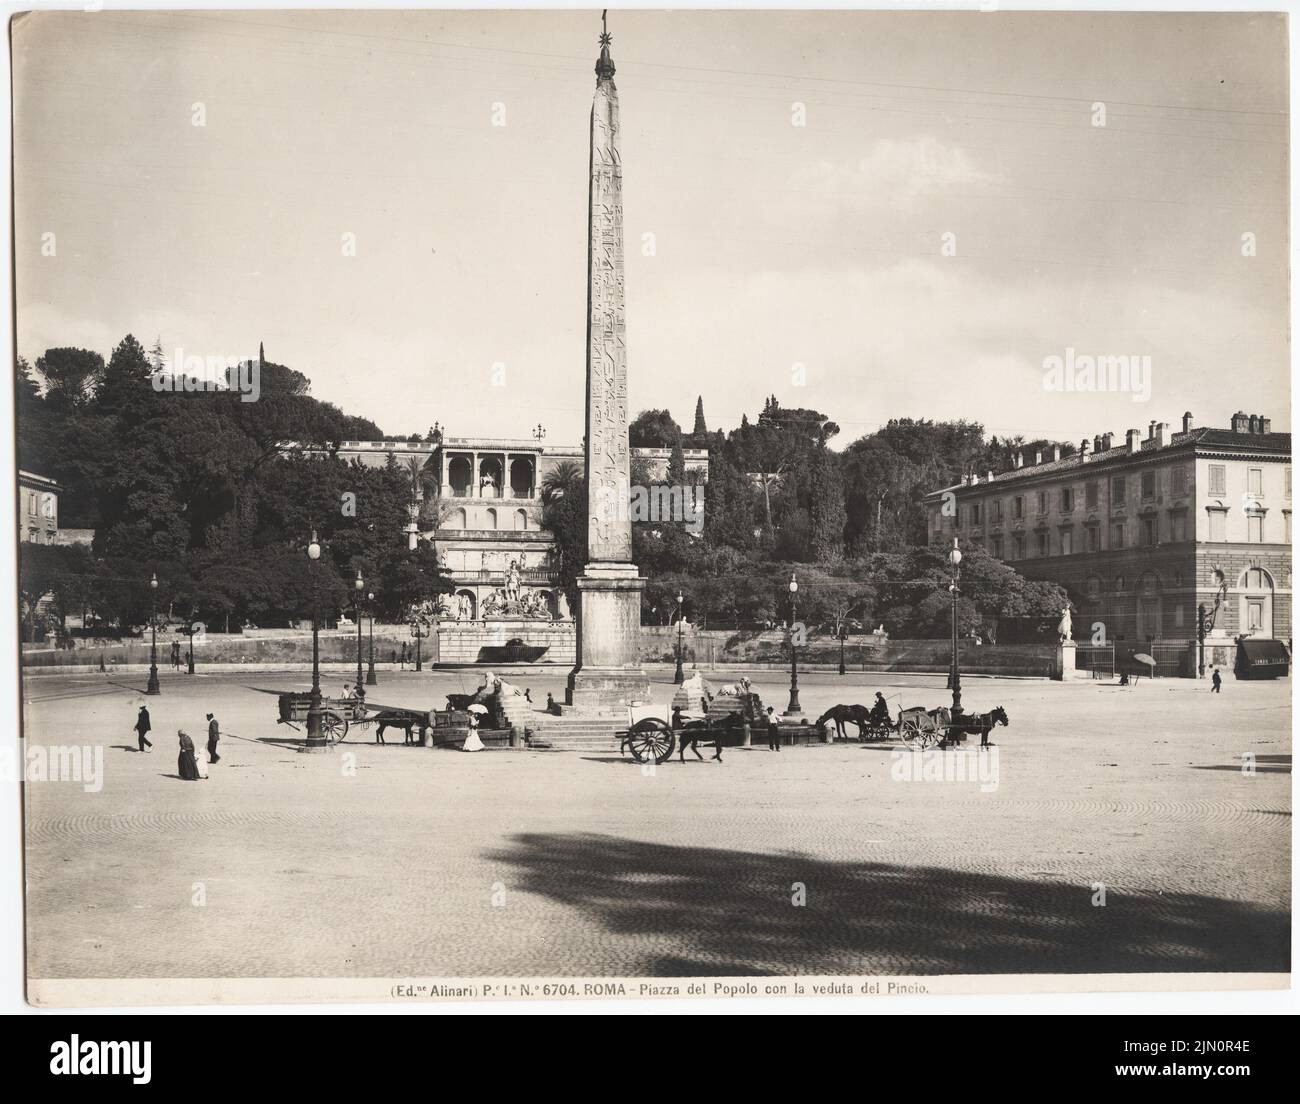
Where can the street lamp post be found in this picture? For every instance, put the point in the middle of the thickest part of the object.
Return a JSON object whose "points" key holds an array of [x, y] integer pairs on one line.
{"points": [[679, 676], [190, 660], [315, 737], [1200, 640], [358, 587], [954, 678], [153, 687], [794, 709], [371, 678], [844, 630]]}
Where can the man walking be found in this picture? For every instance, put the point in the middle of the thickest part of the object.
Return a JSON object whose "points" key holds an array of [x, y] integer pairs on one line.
{"points": [[214, 734], [773, 731], [142, 726], [1217, 679]]}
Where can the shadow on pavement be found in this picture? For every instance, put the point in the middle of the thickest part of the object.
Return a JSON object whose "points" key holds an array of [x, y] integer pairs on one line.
{"points": [[701, 911]]}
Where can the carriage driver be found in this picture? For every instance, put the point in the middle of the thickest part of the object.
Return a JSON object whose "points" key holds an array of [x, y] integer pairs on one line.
{"points": [[880, 712]]}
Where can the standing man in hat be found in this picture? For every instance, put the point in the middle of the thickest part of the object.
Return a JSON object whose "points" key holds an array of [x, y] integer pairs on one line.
{"points": [[214, 734], [143, 725]]}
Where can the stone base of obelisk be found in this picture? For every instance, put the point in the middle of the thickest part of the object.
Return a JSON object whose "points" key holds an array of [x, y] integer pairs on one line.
{"points": [[608, 674]]}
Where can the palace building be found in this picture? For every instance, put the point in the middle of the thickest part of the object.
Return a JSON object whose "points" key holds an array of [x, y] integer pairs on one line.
{"points": [[1144, 531]]}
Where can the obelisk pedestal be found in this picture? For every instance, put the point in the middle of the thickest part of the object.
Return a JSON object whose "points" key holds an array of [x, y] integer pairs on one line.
{"points": [[608, 673]]}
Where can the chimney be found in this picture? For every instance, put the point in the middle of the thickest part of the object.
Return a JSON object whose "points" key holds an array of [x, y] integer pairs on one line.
{"points": [[1187, 422], [1132, 438], [990, 478], [1239, 422], [1108, 441], [1265, 425], [1019, 459], [1254, 424], [1096, 444], [1038, 456], [1151, 429], [1085, 447], [1162, 434], [1056, 452]]}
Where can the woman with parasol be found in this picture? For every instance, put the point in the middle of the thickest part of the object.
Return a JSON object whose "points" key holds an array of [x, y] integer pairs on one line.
{"points": [[472, 741]]}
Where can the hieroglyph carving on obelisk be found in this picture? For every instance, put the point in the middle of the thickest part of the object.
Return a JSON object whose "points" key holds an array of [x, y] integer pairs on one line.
{"points": [[609, 533]]}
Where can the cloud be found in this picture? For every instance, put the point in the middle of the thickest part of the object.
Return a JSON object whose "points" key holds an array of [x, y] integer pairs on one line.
{"points": [[893, 172]]}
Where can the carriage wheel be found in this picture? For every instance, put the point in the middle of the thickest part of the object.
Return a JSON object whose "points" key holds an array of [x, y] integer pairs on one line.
{"points": [[650, 740], [333, 725], [911, 734]]}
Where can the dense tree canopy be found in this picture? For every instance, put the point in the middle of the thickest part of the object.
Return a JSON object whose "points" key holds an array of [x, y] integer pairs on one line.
{"points": [[193, 484]]}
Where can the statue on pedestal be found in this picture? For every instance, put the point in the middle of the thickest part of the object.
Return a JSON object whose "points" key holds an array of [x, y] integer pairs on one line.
{"points": [[512, 582], [1066, 627]]}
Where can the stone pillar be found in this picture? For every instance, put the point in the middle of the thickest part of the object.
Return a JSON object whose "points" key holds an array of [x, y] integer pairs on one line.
{"points": [[608, 671]]}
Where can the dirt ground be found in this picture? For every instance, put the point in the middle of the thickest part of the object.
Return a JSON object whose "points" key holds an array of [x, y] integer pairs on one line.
{"points": [[847, 858]]}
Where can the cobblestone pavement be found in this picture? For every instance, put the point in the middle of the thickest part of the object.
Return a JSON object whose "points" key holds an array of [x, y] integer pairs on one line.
{"points": [[395, 861]]}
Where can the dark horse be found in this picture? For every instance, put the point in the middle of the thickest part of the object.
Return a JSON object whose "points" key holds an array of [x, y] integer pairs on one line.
{"points": [[391, 718], [859, 715], [717, 733], [982, 723]]}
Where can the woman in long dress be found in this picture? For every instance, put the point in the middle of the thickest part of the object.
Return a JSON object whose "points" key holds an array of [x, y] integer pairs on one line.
{"points": [[186, 766], [472, 742]]}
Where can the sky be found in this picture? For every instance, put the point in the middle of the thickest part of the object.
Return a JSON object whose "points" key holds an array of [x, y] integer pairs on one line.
{"points": [[878, 215]]}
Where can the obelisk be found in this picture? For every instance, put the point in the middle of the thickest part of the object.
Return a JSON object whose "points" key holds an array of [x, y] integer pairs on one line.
{"points": [[608, 672]]}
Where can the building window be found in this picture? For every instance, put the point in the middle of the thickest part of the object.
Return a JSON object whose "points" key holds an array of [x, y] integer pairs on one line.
{"points": [[1067, 542], [1094, 538], [997, 510], [1149, 530], [1178, 526], [1017, 507], [1255, 528], [1094, 588], [1218, 479], [1042, 502], [1255, 481], [1117, 491], [1178, 481], [1043, 547], [1018, 547], [1218, 527], [31, 503], [1117, 535], [1090, 495], [997, 547], [1067, 500], [1286, 481], [975, 513], [1148, 484]]}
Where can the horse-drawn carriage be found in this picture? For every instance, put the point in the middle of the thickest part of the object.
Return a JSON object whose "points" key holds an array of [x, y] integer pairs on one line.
{"points": [[338, 715], [917, 727], [651, 737]]}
